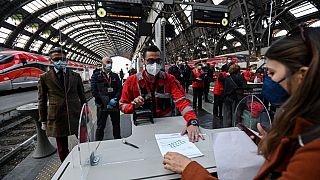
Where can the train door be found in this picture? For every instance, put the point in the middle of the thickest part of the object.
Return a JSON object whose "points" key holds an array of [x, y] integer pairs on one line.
{"points": [[6, 66], [21, 73]]}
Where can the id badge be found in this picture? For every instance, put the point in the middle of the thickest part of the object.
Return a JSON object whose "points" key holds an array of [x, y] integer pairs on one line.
{"points": [[110, 89]]}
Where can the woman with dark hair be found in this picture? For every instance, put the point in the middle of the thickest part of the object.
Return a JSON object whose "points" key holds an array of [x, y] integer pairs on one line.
{"points": [[292, 147], [235, 81]]}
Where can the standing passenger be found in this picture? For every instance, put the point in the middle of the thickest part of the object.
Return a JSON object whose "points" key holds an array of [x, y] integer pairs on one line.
{"points": [[106, 89], [235, 81], [60, 97]]}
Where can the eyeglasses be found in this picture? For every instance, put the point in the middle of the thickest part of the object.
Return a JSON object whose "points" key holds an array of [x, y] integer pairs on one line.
{"points": [[152, 60]]}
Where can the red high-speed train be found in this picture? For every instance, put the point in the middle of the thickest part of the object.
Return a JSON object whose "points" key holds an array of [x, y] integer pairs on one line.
{"points": [[20, 69]]}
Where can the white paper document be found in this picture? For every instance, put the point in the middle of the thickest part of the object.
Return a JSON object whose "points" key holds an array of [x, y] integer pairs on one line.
{"points": [[236, 156], [177, 143]]}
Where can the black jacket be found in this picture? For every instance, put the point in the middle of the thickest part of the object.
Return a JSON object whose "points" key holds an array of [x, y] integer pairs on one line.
{"points": [[100, 85], [177, 73], [232, 83]]}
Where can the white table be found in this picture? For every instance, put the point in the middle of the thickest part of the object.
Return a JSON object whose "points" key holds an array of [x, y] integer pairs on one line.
{"points": [[120, 161]]}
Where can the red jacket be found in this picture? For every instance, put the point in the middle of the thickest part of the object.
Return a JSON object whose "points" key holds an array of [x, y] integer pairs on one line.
{"points": [[197, 83], [167, 88], [218, 87], [248, 75]]}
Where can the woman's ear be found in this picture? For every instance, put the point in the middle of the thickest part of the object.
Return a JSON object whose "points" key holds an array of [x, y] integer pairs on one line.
{"points": [[303, 72]]}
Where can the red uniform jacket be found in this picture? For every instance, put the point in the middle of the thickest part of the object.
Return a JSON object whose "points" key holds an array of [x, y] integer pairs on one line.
{"points": [[171, 88], [303, 164], [197, 83], [218, 87]]}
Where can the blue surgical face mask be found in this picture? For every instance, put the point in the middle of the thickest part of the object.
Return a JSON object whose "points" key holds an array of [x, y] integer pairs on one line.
{"points": [[60, 65], [274, 92], [108, 67]]}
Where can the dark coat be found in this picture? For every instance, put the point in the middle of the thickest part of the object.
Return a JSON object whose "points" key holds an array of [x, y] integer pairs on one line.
{"points": [[57, 108], [232, 84], [100, 85], [177, 73]]}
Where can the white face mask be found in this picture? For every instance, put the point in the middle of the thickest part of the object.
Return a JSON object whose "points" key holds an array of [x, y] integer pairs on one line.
{"points": [[153, 69], [229, 61]]}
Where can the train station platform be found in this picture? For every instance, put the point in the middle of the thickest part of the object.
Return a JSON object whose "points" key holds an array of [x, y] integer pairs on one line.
{"points": [[12, 99], [45, 168]]}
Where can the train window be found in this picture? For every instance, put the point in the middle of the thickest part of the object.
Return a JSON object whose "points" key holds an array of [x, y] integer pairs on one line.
{"points": [[24, 61], [6, 58]]}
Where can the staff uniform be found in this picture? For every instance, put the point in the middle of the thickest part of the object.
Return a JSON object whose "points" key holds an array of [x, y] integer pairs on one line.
{"points": [[104, 88], [197, 87], [157, 95]]}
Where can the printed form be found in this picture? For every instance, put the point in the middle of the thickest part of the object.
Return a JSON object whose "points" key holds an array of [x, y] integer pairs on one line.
{"points": [[176, 143]]}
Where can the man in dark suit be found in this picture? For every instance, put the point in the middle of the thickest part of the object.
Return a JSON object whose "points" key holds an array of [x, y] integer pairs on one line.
{"points": [[60, 97], [106, 89]]}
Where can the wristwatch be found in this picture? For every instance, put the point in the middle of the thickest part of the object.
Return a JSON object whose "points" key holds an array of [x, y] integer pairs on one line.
{"points": [[193, 122]]}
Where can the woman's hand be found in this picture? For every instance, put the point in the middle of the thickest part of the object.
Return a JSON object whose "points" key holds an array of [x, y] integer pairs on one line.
{"points": [[175, 162], [262, 132]]}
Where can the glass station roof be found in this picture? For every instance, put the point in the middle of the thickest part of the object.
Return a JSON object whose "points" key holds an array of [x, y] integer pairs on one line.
{"points": [[39, 25]]}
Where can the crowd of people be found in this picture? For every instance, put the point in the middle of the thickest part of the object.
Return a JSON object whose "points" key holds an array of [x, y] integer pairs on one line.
{"points": [[291, 147]]}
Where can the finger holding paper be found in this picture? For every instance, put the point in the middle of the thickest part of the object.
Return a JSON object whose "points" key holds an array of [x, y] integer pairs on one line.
{"points": [[175, 162]]}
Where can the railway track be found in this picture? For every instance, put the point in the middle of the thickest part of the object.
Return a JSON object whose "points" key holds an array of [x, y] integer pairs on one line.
{"points": [[17, 140]]}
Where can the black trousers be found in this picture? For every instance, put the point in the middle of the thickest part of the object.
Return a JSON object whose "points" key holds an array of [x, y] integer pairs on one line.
{"points": [[206, 90], [197, 97], [229, 106], [217, 105], [186, 86], [102, 120]]}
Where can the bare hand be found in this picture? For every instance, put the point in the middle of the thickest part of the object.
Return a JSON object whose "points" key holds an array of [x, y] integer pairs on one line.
{"points": [[175, 162], [193, 133], [198, 79], [139, 101], [262, 132], [44, 126]]}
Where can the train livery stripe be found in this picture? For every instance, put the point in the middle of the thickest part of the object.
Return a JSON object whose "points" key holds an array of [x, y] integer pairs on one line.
{"points": [[21, 72], [38, 65]]}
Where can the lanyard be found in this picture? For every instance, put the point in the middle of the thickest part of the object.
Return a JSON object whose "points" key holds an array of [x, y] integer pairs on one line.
{"points": [[107, 79], [152, 91]]}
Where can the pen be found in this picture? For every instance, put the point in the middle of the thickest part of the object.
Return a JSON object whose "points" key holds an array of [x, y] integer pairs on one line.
{"points": [[127, 143]]}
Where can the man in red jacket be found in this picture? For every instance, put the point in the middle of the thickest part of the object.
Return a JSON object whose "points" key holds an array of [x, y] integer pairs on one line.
{"points": [[154, 89]]}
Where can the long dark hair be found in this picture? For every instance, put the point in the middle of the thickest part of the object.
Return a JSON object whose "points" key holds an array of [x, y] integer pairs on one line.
{"points": [[298, 49]]}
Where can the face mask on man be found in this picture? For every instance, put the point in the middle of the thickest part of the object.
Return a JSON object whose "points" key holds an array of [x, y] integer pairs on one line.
{"points": [[229, 61], [153, 69], [199, 67], [60, 65], [108, 67], [274, 92]]}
